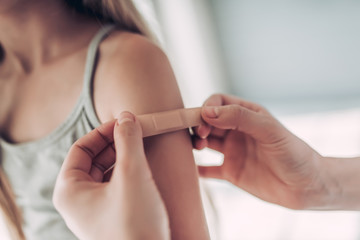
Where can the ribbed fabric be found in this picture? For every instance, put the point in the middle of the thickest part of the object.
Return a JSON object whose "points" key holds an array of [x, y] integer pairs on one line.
{"points": [[32, 167]]}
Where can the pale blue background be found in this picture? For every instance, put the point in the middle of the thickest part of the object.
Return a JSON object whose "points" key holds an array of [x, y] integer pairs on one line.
{"points": [[297, 55]]}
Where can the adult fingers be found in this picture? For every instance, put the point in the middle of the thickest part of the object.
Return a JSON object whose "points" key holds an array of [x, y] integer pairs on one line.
{"points": [[198, 143], [212, 131], [224, 99], [204, 130], [130, 155], [235, 117], [215, 143], [210, 172], [86, 149], [211, 142]]}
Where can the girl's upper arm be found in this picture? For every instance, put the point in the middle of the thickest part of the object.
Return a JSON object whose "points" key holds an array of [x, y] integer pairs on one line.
{"points": [[135, 75]]}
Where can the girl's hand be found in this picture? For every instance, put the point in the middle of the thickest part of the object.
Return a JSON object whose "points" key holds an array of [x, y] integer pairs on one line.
{"points": [[98, 203]]}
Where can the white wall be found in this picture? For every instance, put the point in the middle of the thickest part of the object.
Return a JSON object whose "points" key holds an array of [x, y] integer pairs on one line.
{"points": [[301, 51]]}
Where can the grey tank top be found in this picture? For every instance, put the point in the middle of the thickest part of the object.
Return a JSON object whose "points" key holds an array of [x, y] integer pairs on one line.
{"points": [[32, 167]]}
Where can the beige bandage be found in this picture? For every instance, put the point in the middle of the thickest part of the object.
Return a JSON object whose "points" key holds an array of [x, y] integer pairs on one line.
{"points": [[169, 121]]}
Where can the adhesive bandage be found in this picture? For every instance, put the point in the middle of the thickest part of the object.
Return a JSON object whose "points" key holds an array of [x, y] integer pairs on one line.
{"points": [[169, 121]]}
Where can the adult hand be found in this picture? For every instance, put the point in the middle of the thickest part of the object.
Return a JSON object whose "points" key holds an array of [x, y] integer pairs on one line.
{"points": [[260, 155], [126, 206]]}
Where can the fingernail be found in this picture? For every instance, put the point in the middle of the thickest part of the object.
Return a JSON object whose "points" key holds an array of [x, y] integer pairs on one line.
{"points": [[200, 131], [211, 112], [125, 116]]}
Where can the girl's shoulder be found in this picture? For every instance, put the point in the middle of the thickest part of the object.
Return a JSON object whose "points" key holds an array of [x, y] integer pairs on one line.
{"points": [[121, 45], [133, 74]]}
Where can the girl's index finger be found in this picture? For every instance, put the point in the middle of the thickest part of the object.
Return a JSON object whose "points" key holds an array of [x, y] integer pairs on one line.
{"points": [[84, 150]]}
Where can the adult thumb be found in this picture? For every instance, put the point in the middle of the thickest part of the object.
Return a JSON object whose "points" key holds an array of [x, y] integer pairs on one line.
{"points": [[130, 155]]}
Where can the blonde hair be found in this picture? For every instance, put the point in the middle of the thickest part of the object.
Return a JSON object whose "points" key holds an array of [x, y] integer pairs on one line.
{"points": [[122, 13], [11, 212]]}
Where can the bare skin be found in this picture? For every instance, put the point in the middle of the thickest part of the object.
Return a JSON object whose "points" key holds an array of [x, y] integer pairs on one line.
{"points": [[262, 157], [132, 74], [35, 52]]}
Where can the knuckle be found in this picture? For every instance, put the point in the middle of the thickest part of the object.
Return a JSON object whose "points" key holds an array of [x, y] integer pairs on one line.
{"points": [[255, 107], [214, 100], [215, 95], [238, 114]]}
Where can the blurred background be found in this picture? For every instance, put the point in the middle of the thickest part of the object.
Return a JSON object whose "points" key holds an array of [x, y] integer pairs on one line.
{"points": [[298, 58], [301, 60]]}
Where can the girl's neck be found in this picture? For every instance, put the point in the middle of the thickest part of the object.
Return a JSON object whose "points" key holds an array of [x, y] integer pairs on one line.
{"points": [[36, 32]]}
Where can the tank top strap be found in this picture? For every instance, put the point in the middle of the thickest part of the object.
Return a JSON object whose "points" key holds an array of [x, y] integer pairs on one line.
{"points": [[90, 66]]}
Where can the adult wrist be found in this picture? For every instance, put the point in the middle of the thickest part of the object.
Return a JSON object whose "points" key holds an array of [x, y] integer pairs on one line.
{"points": [[328, 189]]}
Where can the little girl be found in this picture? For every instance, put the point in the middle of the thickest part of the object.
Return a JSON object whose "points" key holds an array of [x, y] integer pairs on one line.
{"points": [[65, 68]]}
